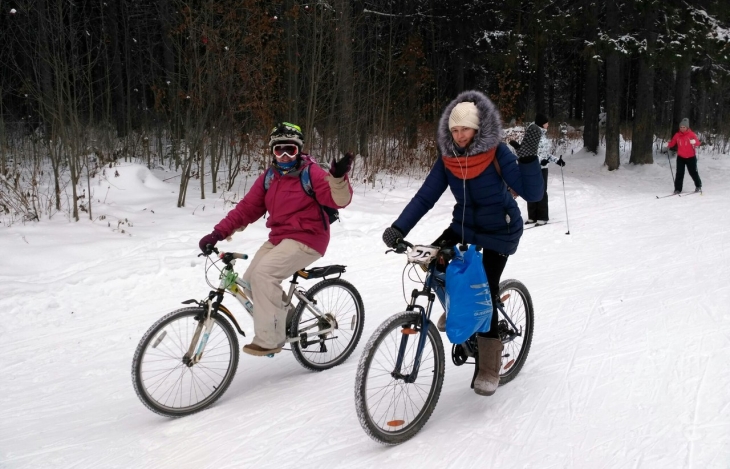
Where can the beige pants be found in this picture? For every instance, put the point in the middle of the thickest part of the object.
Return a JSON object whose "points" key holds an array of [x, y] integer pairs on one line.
{"points": [[268, 268]]}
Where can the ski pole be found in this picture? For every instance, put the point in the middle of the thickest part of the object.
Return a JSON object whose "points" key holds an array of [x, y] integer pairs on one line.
{"points": [[565, 200], [670, 166]]}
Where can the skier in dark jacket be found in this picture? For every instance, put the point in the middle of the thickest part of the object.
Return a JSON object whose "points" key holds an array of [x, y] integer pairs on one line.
{"points": [[535, 142], [478, 169]]}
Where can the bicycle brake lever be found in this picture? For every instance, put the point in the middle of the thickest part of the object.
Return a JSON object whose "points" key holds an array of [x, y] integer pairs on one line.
{"points": [[210, 251]]}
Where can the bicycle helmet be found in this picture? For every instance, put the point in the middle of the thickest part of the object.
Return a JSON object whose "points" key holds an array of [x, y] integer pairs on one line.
{"points": [[286, 132]]}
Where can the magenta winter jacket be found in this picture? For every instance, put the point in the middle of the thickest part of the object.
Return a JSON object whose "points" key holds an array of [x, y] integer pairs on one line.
{"points": [[292, 213], [685, 149]]}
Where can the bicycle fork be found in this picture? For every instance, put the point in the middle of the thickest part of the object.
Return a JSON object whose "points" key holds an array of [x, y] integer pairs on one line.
{"points": [[204, 328], [407, 331]]}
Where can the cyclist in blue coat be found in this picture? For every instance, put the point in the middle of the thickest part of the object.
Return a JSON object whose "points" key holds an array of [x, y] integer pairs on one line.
{"points": [[479, 169]]}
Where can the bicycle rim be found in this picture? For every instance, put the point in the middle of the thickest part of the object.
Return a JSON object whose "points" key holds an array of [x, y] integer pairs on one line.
{"points": [[165, 383], [391, 411], [336, 299], [518, 306]]}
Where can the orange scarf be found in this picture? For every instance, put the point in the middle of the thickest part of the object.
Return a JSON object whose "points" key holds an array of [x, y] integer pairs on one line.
{"points": [[469, 167]]}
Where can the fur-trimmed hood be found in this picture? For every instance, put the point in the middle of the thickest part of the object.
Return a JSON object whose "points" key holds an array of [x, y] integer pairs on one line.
{"points": [[487, 137]]}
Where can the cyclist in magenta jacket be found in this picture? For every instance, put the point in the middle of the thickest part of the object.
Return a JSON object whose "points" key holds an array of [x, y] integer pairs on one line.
{"points": [[299, 228], [686, 141]]}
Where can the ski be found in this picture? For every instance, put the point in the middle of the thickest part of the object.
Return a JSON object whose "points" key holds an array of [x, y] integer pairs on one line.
{"points": [[665, 196], [534, 225], [690, 193]]}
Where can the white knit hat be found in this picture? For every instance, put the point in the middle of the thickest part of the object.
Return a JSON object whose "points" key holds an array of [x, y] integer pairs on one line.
{"points": [[464, 114]]}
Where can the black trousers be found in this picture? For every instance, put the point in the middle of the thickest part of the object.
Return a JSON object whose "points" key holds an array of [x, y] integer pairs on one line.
{"points": [[539, 210], [691, 164], [494, 264]]}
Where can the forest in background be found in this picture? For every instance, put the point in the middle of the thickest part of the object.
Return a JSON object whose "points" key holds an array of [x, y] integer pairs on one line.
{"points": [[196, 85]]}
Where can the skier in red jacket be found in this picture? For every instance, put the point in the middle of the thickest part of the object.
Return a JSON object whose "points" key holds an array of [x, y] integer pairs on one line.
{"points": [[686, 141]]}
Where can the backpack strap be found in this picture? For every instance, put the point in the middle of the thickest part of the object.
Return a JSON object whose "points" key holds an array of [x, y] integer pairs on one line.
{"points": [[268, 178], [306, 181], [496, 166]]}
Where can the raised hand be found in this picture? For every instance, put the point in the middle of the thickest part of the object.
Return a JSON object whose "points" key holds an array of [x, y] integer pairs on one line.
{"points": [[338, 169]]}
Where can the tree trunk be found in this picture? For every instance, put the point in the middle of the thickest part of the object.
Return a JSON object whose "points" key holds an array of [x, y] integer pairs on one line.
{"points": [[591, 109], [643, 132], [540, 77], [579, 73], [346, 136], [613, 92], [117, 72], [292, 54], [682, 93]]}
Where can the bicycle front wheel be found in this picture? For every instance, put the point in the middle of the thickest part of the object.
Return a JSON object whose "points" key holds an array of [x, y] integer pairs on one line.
{"points": [[328, 341], [390, 408], [516, 334], [165, 379]]}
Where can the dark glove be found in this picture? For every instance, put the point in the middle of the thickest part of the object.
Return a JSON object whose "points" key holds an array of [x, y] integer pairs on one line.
{"points": [[515, 144], [447, 239], [338, 169], [207, 242], [526, 159], [391, 236], [560, 162], [544, 162]]}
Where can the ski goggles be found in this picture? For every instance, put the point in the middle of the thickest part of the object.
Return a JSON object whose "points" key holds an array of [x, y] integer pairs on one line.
{"points": [[285, 149]]}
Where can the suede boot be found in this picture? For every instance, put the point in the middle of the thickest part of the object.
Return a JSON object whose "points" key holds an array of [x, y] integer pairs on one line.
{"points": [[441, 325], [490, 361]]}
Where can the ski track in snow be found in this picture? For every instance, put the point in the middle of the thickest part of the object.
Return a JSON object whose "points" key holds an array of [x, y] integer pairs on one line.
{"points": [[628, 366]]}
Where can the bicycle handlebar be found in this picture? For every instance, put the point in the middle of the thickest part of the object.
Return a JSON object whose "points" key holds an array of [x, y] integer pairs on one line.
{"points": [[226, 257]]}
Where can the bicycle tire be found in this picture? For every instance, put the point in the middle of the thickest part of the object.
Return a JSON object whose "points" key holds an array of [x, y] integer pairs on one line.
{"points": [[340, 299], [389, 425], [167, 386], [520, 310]]}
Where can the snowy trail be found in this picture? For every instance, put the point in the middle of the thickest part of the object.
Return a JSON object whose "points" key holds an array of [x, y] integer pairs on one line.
{"points": [[628, 366]]}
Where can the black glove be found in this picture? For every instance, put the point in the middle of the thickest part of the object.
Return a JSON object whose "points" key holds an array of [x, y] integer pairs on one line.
{"points": [[391, 236], [544, 162], [338, 169], [560, 162], [526, 159], [515, 144], [207, 242], [447, 239]]}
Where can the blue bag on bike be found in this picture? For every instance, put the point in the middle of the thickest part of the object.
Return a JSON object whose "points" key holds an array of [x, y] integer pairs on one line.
{"points": [[468, 299]]}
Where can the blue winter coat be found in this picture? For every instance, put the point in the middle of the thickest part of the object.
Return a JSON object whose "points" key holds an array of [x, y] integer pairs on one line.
{"points": [[485, 211]]}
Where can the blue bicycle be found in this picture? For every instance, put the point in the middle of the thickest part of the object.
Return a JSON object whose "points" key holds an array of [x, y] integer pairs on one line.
{"points": [[401, 370]]}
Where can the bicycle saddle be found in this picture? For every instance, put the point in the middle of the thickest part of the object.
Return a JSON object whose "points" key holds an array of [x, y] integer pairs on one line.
{"points": [[318, 272]]}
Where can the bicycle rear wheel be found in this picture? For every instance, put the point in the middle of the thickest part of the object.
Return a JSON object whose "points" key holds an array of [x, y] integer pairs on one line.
{"points": [[517, 335], [341, 304], [163, 377], [391, 410]]}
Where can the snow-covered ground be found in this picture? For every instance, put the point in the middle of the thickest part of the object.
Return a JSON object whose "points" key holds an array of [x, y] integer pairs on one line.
{"points": [[628, 368]]}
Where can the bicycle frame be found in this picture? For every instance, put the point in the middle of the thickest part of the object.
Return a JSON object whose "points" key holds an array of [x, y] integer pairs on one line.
{"points": [[231, 282], [435, 281]]}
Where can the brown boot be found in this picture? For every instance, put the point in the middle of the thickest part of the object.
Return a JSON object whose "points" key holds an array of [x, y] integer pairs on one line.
{"points": [[258, 351], [490, 361], [441, 324]]}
